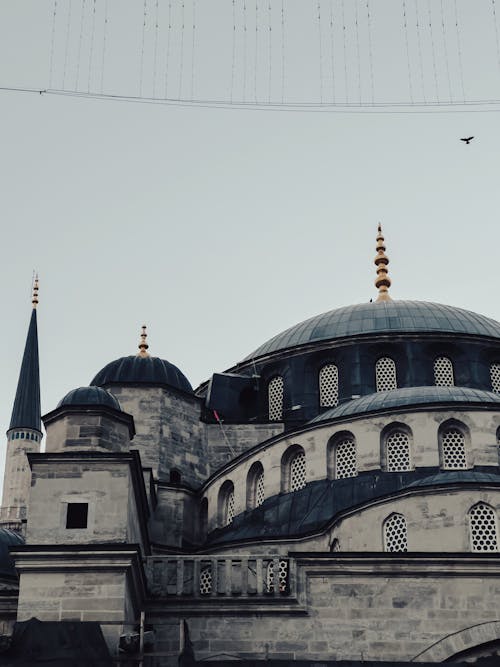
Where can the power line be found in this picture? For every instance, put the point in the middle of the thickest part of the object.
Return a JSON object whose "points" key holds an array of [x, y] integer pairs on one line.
{"points": [[459, 48], [495, 23], [193, 49], [91, 50], [233, 59], [320, 44], [358, 50], [332, 52], [405, 24], [82, 21], [419, 44], [244, 49], [434, 65], [345, 53], [104, 42], [66, 49], [370, 49], [445, 45], [270, 20], [169, 37], [282, 51], [144, 19], [52, 44], [256, 50], [181, 65], [155, 51]]}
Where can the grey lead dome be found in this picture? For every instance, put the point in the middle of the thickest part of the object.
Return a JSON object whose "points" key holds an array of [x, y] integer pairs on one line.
{"points": [[381, 317], [89, 396], [142, 370]]}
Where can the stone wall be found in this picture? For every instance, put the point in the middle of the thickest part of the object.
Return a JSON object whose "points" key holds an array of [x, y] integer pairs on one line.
{"points": [[169, 434], [352, 609], [225, 443]]}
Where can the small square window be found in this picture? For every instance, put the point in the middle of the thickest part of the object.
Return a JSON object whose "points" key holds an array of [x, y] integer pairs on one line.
{"points": [[77, 514]]}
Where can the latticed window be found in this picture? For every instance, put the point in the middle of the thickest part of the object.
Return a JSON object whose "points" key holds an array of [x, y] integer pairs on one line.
{"points": [[282, 576], [345, 458], [495, 377], [329, 386], [298, 471], [395, 533], [229, 508], [453, 449], [259, 489], [275, 398], [483, 528], [385, 374], [443, 372], [397, 449], [206, 580]]}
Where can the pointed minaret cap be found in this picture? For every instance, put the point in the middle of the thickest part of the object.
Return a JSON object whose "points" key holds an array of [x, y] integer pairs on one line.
{"points": [[382, 281], [143, 346]]}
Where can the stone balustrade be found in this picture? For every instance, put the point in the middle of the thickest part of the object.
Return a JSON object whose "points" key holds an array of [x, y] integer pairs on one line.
{"points": [[215, 577]]}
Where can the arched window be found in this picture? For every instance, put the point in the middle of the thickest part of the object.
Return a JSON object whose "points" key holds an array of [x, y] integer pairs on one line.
{"points": [[483, 528], [343, 450], [298, 471], [452, 443], [395, 533], [385, 374], [255, 486], [275, 399], [329, 386], [495, 377], [226, 505], [397, 451], [282, 576], [443, 372]]}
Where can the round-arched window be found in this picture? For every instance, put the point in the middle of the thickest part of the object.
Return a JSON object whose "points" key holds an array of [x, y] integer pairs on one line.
{"points": [[443, 372], [329, 386], [385, 374], [395, 533], [483, 528], [275, 398]]}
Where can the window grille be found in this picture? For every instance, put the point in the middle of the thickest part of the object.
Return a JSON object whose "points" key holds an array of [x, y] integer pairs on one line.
{"points": [[495, 377], [483, 528], [298, 472], [259, 489], [443, 372], [206, 580], [329, 386], [345, 459], [395, 533], [229, 508], [398, 452], [275, 399], [453, 449], [282, 576], [385, 374]]}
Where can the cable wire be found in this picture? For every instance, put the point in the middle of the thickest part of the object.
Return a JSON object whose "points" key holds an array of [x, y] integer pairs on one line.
{"points": [[445, 45], [282, 51], [270, 19], [167, 56], [66, 48], [345, 54], [495, 23], [233, 59], [433, 47], [420, 57], [193, 49], [332, 51], [144, 19], [358, 49], [370, 50], [244, 49], [181, 66], [256, 50], [405, 24], [320, 53], [155, 50], [80, 41], [104, 42], [52, 44], [91, 50], [459, 48]]}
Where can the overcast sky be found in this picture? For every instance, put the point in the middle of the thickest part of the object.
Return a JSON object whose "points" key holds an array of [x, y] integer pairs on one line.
{"points": [[220, 227]]}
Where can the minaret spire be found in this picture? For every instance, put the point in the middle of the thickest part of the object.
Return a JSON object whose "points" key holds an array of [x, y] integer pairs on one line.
{"points": [[143, 346], [382, 281], [26, 412]]}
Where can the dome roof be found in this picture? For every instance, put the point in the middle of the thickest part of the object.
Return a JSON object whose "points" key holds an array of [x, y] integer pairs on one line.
{"points": [[142, 370], [8, 538], [408, 397], [89, 396], [381, 317]]}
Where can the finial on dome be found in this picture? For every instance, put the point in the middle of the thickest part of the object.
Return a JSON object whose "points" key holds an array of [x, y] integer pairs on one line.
{"points": [[382, 281], [143, 346], [34, 298]]}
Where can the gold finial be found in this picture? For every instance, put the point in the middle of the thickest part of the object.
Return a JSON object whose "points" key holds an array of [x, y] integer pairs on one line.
{"points": [[382, 281], [34, 298], [143, 346]]}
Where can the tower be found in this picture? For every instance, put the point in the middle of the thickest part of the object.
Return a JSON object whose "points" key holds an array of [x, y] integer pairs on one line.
{"points": [[25, 431]]}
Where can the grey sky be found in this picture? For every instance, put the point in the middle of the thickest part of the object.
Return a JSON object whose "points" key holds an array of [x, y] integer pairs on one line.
{"points": [[218, 228]]}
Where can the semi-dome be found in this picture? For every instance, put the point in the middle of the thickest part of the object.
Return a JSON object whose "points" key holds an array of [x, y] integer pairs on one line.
{"points": [[142, 370], [380, 317], [409, 397], [89, 396]]}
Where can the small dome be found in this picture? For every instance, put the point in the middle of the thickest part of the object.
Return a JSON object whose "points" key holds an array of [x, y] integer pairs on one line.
{"points": [[382, 317], [137, 369], [8, 538], [89, 396], [408, 397]]}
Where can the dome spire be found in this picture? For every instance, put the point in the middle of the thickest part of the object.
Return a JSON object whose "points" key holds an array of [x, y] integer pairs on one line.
{"points": [[382, 281], [143, 346]]}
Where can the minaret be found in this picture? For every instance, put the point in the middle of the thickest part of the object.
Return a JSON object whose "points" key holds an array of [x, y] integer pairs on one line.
{"points": [[25, 430], [143, 346], [382, 281]]}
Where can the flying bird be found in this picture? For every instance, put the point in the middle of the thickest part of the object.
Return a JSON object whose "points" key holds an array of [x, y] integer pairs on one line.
{"points": [[467, 140]]}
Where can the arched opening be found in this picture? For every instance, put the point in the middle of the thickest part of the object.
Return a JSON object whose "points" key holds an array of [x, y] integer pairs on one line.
{"points": [[275, 398], [453, 440], [255, 486], [226, 504], [342, 456], [293, 469], [385, 374], [395, 533]]}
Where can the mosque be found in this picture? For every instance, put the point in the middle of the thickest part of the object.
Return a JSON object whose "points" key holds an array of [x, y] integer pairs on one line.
{"points": [[332, 497]]}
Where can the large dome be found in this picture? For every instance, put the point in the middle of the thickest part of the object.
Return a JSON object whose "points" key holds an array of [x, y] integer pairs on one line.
{"points": [[381, 317], [142, 370]]}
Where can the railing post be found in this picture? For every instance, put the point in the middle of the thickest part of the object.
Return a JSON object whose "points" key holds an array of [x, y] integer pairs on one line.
{"points": [[276, 577], [244, 577], [228, 575], [258, 576], [196, 577]]}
